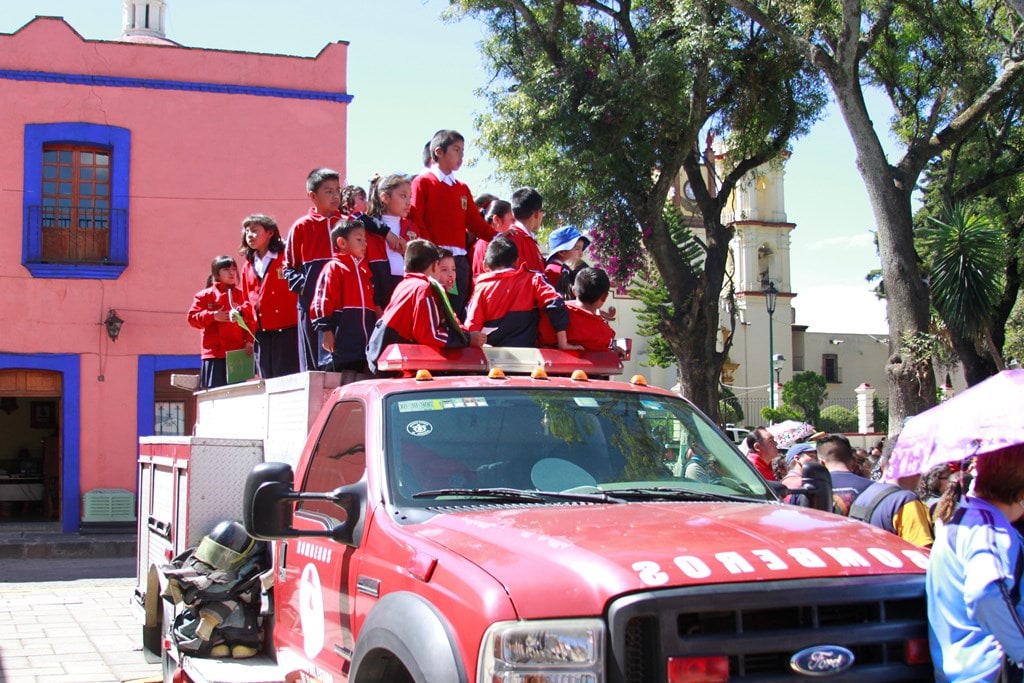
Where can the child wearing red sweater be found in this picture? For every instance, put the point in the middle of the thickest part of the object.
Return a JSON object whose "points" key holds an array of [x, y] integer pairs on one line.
{"points": [[528, 211], [508, 300], [419, 312], [211, 312], [444, 206], [587, 328], [342, 307], [499, 215]]}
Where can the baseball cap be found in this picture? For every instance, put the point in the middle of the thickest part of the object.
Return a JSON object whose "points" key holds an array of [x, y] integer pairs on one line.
{"points": [[796, 449], [564, 239]]}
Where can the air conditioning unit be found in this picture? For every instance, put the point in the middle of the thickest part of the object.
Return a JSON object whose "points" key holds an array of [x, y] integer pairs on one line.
{"points": [[107, 506]]}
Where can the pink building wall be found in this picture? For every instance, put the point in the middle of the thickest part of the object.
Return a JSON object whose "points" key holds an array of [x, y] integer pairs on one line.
{"points": [[200, 162]]}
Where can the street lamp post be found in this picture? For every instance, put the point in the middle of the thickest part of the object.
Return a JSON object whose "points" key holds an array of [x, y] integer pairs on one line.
{"points": [[778, 361], [770, 295]]}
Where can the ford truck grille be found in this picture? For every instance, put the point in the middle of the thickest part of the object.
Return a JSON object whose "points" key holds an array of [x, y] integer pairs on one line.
{"points": [[759, 627]]}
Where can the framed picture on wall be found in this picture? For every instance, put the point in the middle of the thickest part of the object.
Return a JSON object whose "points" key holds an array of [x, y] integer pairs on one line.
{"points": [[42, 414]]}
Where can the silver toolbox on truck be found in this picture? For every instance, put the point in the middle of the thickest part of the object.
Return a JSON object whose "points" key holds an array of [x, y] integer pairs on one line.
{"points": [[276, 411]]}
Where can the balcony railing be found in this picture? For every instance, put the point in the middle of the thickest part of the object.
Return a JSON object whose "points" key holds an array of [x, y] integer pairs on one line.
{"points": [[74, 234]]}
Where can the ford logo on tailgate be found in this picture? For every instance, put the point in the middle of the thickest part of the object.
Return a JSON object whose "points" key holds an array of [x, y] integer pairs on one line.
{"points": [[821, 660]]}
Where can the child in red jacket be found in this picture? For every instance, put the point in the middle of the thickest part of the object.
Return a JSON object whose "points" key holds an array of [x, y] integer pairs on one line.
{"points": [[507, 300], [342, 308], [587, 328], [274, 305], [419, 311], [565, 252], [211, 312], [308, 250]]}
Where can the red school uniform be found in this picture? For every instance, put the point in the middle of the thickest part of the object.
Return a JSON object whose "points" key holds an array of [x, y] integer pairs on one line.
{"points": [[587, 329], [308, 248], [415, 316], [446, 211], [377, 254], [529, 252], [272, 301], [510, 300], [477, 258], [220, 337], [343, 303]]}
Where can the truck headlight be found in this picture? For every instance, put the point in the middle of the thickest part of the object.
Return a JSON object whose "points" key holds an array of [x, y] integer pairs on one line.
{"points": [[555, 650]]}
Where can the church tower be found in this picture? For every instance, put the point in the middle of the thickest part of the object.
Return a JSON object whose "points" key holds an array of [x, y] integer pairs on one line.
{"points": [[144, 19], [760, 255]]}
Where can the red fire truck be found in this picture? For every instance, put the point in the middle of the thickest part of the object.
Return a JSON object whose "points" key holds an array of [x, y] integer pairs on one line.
{"points": [[509, 515]]}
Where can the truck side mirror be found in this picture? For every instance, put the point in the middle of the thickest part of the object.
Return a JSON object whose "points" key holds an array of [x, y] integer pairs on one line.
{"points": [[269, 499]]}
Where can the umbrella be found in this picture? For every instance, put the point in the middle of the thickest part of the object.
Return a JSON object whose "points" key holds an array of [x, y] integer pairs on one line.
{"points": [[984, 418], [788, 432]]}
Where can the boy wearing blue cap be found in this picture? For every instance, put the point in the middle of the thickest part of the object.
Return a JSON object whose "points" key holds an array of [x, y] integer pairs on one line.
{"points": [[565, 250]]}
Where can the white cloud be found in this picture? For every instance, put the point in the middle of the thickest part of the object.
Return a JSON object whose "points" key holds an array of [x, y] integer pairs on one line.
{"points": [[841, 308]]}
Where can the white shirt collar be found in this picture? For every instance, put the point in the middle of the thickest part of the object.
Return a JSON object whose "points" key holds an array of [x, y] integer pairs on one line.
{"points": [[261, 263], [446, 178]]}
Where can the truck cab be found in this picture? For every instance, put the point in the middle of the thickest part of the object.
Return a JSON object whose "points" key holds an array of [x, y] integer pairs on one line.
{"points": [[510, 516]]}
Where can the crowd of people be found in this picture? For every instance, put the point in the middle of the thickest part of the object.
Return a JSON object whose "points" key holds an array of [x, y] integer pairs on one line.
{"points": [[969, 514], [410, 260]]}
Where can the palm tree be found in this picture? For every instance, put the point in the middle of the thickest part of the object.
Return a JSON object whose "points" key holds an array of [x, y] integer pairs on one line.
{"points": [[965, 251]]}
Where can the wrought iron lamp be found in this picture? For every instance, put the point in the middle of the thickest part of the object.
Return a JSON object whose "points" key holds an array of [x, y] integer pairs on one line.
{"points": [[113, 324]]}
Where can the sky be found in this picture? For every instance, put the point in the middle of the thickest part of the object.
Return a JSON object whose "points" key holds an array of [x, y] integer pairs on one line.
{"points": [[402, 94]]}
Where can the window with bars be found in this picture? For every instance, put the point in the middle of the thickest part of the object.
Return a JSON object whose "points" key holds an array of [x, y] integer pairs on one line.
{"points": [[830, 368], [75, 211], [76, 200]]}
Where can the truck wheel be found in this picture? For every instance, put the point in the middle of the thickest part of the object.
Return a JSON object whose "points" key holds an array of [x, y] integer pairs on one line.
{"points": [[384, 667]]}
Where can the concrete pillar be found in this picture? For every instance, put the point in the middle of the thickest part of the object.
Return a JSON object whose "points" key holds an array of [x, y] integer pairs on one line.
{"points": [[865, 408]]}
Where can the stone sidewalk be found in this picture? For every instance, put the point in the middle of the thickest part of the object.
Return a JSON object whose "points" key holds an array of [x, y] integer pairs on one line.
{"points": [[71, 630]]}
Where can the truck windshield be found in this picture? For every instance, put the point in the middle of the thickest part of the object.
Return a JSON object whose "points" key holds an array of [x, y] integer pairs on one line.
{"points": [[446, 445]]}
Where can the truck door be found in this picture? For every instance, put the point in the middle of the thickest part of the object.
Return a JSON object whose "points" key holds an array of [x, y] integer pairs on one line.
{"points": [[316, 576]]}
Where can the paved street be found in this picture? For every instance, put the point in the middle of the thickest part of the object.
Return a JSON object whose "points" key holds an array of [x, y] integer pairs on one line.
{"points": [[56, 626]]}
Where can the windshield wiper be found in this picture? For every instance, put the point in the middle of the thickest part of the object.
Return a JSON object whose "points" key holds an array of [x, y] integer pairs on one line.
{"points": [[507, 494], [520, 495], [672, 493]]}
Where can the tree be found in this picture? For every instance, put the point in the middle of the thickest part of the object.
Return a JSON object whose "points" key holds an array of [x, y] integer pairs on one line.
{"points": [[985, 171], [924, 54], [807, 391], [965, 254], [601, 104]]}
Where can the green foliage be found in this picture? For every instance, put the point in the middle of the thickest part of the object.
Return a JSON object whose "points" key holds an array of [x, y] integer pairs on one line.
{"points": [[600, 105], [921, 349], [837, 419], [782, 413], [729, 409], [807, 391], [966, 254], [881, 414], [648, 288], [1013, 348]]}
